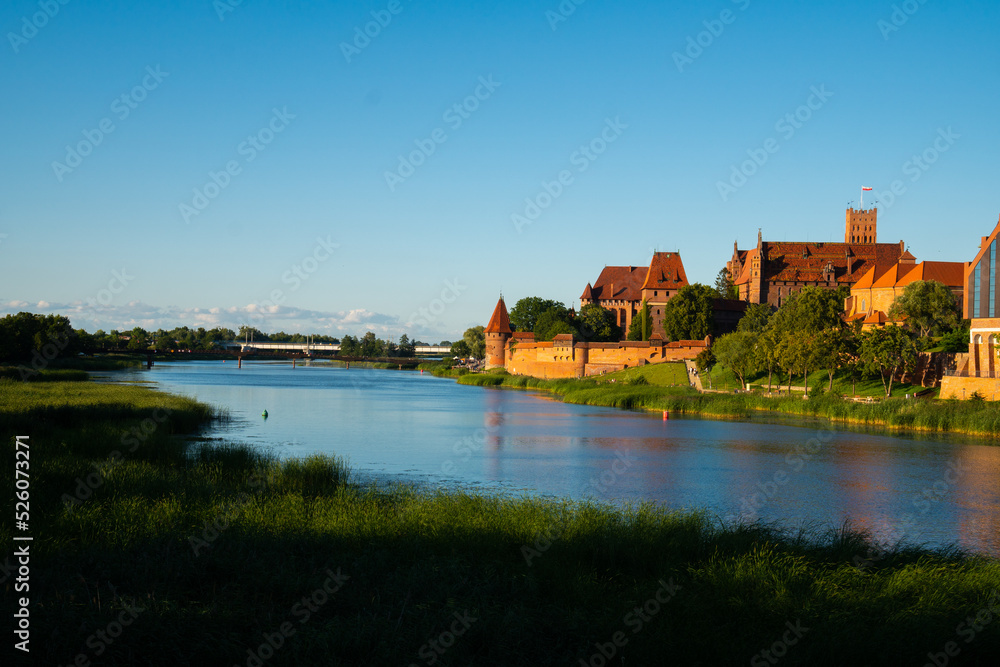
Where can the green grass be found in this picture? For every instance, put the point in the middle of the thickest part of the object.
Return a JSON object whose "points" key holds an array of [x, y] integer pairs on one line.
{"points": [[725, 380], [218, 543], [895, 413]]}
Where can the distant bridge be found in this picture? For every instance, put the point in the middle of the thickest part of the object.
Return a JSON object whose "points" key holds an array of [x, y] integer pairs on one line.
{"points": [[309, 348]]}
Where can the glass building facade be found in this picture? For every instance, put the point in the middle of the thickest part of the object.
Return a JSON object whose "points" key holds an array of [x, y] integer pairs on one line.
{"points": [[984, 293]]}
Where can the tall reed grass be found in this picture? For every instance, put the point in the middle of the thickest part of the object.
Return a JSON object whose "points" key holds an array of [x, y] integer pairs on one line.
{"points": [[220, 544]]}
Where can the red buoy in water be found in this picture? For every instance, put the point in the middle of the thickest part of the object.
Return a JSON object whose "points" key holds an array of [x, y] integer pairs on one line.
{"points": [[666, 415]]}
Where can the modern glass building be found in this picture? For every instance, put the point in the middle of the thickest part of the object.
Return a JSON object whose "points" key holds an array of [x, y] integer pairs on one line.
{"points": [[982, 293]]}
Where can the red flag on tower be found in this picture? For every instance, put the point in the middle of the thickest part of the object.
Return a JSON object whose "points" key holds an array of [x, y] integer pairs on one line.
{"points": [[864, 188]]}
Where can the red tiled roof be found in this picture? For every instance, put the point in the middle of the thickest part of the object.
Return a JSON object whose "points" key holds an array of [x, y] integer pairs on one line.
{"points": [[876, 317], [588, 293], [951, 274], [806, 261], [666, 271], [500, 322], [744, 276], [870, 276], [524, 335], [619, 283]]}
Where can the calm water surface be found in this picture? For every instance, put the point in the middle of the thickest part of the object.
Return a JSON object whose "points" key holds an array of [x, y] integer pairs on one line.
{"points": [[415, 427]]}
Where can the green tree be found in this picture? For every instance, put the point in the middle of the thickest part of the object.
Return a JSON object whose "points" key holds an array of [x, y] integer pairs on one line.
{"points": [[164, 340], [460, 349], [957, 340], [887, 351], [596, 324], [371, 346], [831, 350], [736, 351], [635, 327], [688, 315], [524, 316], [138, 339], [705, 362], [38, 337], [556, 320], [928, 306], [766, 351], [350, 347], [475, 339], [796, 324], [756, 318], [724, 287], [406, 348]]}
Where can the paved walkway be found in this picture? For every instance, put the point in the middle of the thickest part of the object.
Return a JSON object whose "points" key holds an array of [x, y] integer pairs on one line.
{"points": [[693, 377]]}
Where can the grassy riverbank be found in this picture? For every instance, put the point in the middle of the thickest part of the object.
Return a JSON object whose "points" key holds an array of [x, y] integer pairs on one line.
{"points": [[150, 549], [634, 391]]}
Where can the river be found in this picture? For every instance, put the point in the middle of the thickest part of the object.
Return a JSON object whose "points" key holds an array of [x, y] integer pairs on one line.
{"points": [[413, 427]]}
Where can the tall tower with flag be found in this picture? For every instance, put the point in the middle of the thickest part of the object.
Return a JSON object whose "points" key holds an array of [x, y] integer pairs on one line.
{"points": [[862, 224]]}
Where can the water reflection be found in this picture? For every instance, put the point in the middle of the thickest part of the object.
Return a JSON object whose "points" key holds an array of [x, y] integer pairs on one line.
{"points": [[422, 428]]}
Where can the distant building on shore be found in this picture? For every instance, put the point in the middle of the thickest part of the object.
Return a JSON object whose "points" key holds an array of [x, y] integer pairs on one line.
{"points": [[621, 289], [564, 357], [773, 271], [874, 293], [979, 370]]}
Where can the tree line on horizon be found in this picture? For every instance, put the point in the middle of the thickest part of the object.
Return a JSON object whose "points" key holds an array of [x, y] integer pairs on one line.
{"points": [[31, 336]]}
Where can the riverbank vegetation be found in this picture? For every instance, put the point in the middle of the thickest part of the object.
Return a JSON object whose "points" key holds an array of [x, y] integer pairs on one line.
{"points": [[152, 549], [648, 388]]}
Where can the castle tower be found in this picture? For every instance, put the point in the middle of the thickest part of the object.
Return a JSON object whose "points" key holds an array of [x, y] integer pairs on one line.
{"points": [[497, 334], [862, 226]]}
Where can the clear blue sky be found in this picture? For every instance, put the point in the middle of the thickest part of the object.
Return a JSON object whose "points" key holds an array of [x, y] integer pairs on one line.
{"points": [[445, 232]]}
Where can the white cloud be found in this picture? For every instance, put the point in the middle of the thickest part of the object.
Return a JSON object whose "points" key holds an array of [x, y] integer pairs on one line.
{"points": [[269, 318]]}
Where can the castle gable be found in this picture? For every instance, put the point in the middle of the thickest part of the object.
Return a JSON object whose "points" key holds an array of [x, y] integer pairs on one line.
{"points": [[666, 272], [619, 283]]}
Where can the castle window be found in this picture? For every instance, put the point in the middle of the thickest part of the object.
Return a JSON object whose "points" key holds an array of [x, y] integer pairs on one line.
{"points": [[864, 306]]}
